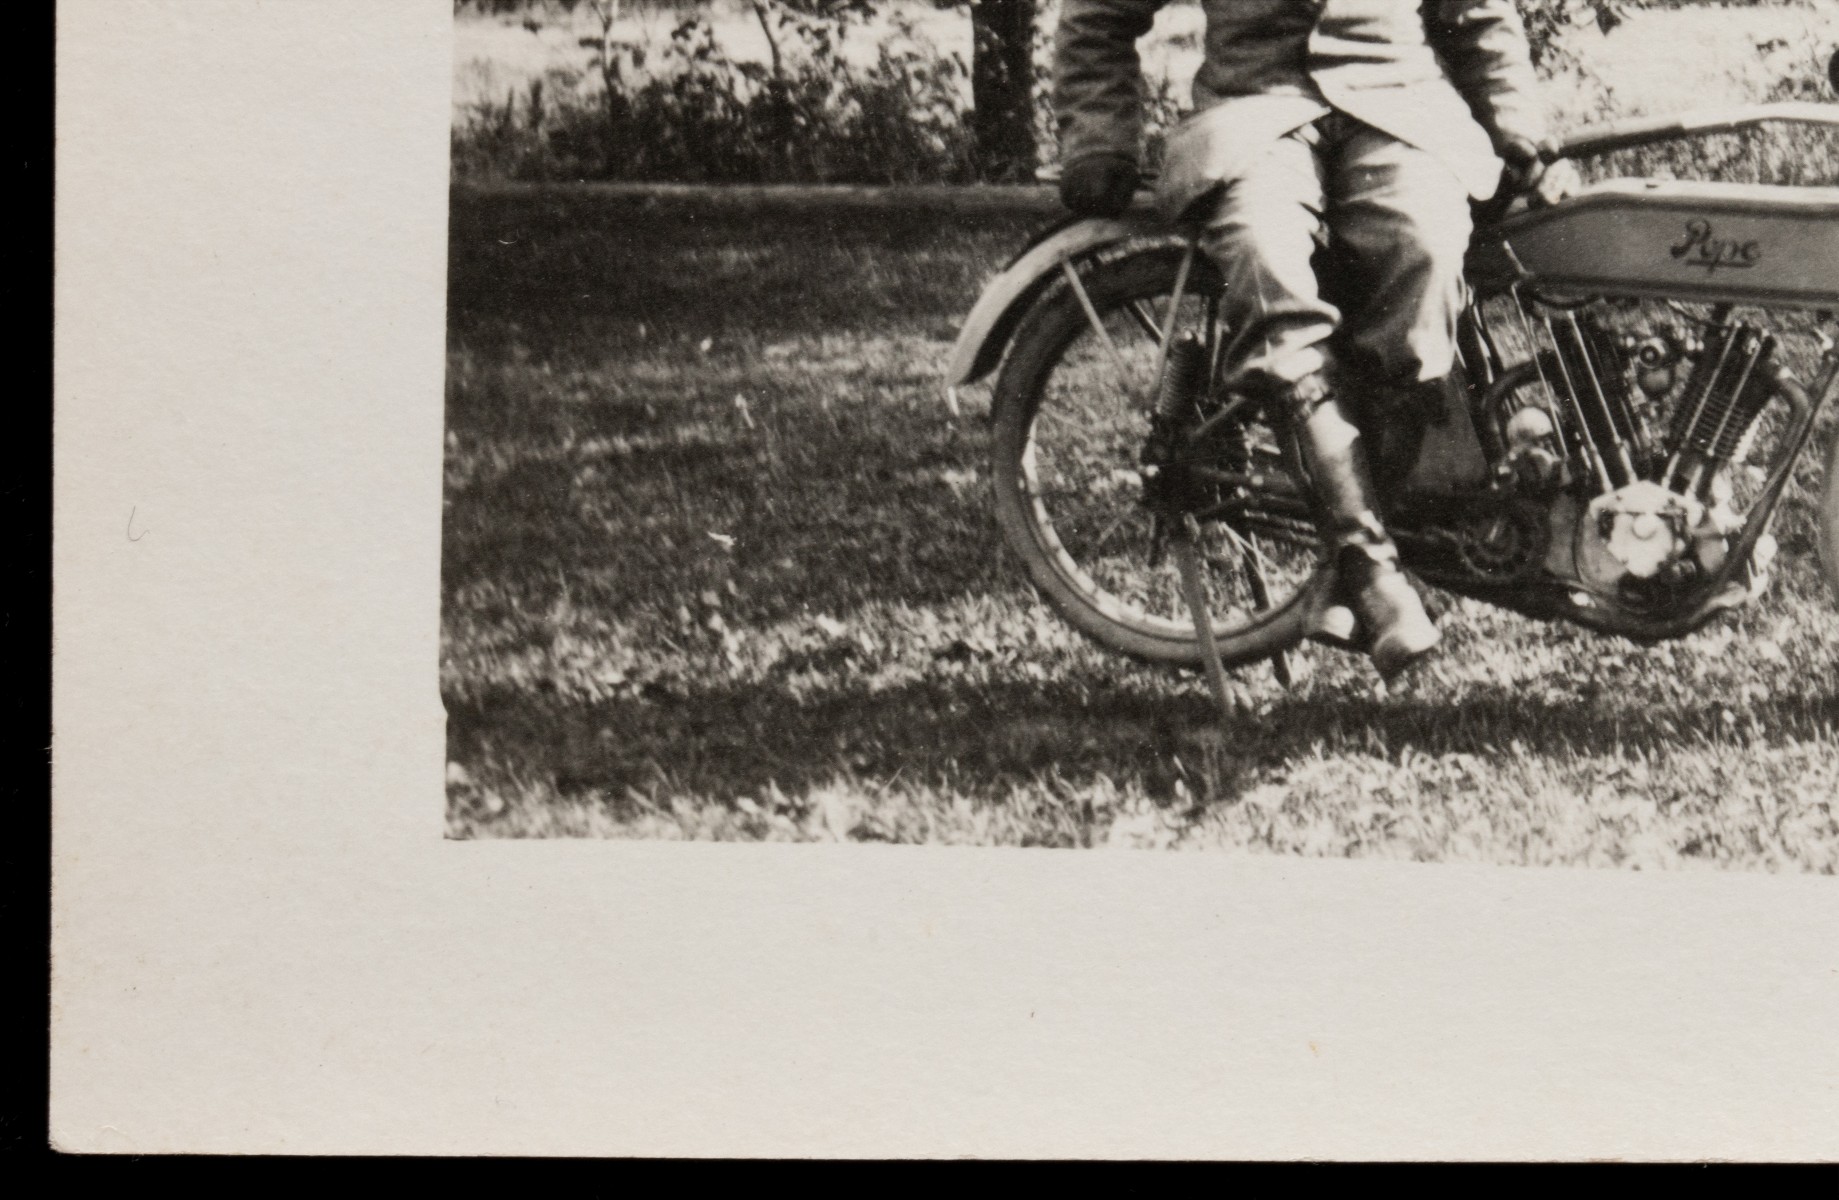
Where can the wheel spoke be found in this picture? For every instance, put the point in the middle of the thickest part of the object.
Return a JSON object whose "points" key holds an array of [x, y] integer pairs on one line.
{"points": [[1117, 523], [1217, 420], [1145, 318], [1254, 575], [1168, 330], [1075, 498], [1097, 322], [1249, 552]]}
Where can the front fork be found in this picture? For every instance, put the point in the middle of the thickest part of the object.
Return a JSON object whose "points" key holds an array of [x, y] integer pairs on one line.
{"points": [[1177, 486], [1171, 487]]}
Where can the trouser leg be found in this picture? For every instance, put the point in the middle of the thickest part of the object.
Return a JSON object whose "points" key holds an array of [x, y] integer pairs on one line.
{"points": [[1401, 227], [1262, 230], [1263, 233]]}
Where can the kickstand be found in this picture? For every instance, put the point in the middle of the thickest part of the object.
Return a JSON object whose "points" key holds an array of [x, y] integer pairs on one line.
{"points": [[1182, 540]]}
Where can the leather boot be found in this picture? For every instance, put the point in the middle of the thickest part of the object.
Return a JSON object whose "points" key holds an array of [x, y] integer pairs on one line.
{"points": [[1390, 618]]}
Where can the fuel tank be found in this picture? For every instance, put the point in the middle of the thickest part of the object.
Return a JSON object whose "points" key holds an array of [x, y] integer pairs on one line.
{"points": [[1733, 242]]}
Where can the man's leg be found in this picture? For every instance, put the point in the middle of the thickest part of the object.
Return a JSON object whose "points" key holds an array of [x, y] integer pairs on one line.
{"points": [[1263, 232], [1389, 613], [1402, 220], [1401, 223]]}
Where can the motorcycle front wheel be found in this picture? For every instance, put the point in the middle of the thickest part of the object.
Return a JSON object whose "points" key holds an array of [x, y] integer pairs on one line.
{"points": [[1071, 414]]}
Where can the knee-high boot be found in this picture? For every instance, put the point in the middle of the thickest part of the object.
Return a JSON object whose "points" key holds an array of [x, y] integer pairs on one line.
{"points": [[1391, 617]]}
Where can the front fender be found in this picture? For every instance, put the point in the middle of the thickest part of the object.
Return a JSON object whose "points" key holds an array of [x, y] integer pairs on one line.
{"points": [[992, 319]]}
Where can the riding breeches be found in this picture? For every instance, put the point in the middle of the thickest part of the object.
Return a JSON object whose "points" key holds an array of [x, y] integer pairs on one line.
{"points": [[1396, 223]]}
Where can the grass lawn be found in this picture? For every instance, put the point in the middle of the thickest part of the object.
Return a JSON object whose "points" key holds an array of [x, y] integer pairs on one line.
{"points": [[720, 563]]}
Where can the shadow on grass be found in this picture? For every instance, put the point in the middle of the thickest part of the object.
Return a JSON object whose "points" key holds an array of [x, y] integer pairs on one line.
{"points": [[644, 404], [803, 513], [981, 738], [560, 266]]}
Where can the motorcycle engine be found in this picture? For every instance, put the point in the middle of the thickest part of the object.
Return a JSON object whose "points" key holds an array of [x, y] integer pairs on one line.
{"points": [[1643, 531], [1673, 414]]}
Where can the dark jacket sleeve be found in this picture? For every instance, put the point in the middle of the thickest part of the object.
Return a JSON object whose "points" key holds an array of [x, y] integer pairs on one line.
{"points": [[1098, 77], [1483, 43]]}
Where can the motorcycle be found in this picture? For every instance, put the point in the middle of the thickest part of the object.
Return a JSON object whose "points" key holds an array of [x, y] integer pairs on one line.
{"points": [[1640, 369]]}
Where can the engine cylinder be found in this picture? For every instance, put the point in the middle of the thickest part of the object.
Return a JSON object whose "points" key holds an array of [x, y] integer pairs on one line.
{"points": [[1731, 384]]}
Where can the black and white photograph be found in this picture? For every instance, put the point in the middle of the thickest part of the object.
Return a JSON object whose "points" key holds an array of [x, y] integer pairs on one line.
{"points": [[1321, 428], [619, 564]]}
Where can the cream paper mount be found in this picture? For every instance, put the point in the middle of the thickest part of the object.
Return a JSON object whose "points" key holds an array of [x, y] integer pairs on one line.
{"points": [[263, 944]]}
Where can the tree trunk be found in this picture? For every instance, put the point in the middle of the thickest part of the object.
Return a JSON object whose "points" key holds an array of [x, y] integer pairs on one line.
{"points": [[1002, 88]]}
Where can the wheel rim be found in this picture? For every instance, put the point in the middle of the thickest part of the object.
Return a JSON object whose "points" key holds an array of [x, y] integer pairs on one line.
{"points": [[1081, 483]]}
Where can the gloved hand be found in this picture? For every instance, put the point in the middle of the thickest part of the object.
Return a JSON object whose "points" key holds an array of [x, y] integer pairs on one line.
{"points": [[1099, 186], [1531, 176]]}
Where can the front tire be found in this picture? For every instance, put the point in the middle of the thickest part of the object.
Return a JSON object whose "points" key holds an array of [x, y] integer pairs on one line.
{"points": [[1071, 415]]}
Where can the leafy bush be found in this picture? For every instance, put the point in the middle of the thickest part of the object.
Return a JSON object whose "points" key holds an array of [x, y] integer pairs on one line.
{"points": [[682, 108], [688, 111], [1792, 155]]}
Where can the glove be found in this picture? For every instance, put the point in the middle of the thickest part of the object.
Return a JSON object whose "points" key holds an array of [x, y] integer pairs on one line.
{"points": [[1099, 186], [1529, 175]]}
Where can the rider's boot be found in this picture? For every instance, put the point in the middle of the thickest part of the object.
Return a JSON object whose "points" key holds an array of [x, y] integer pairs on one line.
{"points": [[1390, 617]]}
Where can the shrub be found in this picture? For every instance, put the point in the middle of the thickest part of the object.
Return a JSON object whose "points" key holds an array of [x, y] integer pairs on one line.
{"points": [[1795, 155], [687, 111], [681, 108]]}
